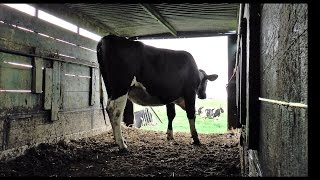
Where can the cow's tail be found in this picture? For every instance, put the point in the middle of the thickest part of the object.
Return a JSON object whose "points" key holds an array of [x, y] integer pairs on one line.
{"points": [[101, 56]]}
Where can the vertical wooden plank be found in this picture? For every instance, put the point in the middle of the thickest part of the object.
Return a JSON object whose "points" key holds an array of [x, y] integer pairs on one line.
{"points": [[93, 86], [63, 84], [37, 75], [55, 90], [47, 88], [232, 108], [242, 69], [253, 76]]}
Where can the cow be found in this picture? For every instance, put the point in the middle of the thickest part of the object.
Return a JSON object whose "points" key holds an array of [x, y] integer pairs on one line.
{"points": [[209, 112], [212, 113], [149, 76], [199, 110], [218, 112]]}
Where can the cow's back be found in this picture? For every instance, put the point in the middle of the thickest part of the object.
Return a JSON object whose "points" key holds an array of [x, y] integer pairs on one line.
{"points": [[164, 73]]}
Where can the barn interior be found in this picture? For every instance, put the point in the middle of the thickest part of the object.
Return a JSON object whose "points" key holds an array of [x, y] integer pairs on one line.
{"points": [[51, 88]]}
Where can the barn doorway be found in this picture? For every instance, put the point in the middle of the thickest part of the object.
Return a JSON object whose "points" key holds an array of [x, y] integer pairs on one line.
{"points": [[211, 55]]}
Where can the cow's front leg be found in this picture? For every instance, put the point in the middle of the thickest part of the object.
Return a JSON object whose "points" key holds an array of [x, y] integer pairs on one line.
{"points": [[115, 110], [191, 110], [171, 114]]}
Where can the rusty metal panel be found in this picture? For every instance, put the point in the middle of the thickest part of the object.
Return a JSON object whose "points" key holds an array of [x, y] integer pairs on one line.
{"points": [[55, 90], [47, 88], [10, 33], [37, 75]]}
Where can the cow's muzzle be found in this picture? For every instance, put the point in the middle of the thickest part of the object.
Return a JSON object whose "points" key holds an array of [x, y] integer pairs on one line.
{"points": [[202, 96]]}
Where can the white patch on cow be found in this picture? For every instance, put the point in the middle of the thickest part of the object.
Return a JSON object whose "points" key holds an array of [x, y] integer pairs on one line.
{"points": [[180, 102], [115, 109], [139, 95], [134, 82], [169, 134]]}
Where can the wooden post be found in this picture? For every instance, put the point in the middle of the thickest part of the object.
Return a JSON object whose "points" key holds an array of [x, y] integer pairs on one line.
{"points": [[253, 76], [55, 90], [231, 88], [37, 75]]}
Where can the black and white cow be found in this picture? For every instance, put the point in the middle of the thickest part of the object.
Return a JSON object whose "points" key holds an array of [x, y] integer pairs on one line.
{"points": [[149, 76]]}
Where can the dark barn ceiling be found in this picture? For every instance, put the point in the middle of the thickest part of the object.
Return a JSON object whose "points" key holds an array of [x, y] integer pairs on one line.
{"points": [[160, 20]]}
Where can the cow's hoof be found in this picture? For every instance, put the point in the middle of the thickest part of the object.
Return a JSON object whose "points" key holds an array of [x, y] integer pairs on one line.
{"points": [[124, 151], [170, 138], [196, 142]]}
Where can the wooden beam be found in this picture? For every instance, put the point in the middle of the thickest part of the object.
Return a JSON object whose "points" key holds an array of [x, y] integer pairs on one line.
{"points": [[12, 16], [37, 75], [47, 89], [56, 101], [77, 18], [157, 16], [31, 39]]}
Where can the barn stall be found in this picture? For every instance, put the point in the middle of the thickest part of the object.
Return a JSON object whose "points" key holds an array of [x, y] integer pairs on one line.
{"points": [[52, 93]]}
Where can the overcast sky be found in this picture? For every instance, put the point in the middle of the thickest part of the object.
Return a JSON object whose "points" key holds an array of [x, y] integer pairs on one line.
{"points": [[210, 54]]}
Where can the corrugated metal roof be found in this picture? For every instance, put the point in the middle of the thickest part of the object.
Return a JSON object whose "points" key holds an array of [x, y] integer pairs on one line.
{"points": [[143, 19]]}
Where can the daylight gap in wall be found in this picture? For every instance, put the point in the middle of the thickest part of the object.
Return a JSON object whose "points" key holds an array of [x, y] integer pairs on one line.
{"points": [[54, 20], [13, 90], [23, 8], [211, 55], [18, 64]]}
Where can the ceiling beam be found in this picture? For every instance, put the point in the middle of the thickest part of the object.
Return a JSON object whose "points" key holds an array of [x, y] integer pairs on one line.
{"points": [[157, 16], [188, 34]]}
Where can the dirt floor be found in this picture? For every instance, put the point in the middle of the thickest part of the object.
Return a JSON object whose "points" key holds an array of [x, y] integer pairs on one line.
{"points": [[150, 155]]}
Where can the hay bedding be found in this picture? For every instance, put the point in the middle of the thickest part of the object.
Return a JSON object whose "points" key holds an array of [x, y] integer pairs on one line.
{"points": [[150, 155]]}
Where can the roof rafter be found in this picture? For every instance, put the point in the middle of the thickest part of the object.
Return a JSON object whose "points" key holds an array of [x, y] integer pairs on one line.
{"points": [[156, 15]]}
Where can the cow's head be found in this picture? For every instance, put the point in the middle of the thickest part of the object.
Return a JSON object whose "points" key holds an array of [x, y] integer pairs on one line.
{"points": [[203, 83]]}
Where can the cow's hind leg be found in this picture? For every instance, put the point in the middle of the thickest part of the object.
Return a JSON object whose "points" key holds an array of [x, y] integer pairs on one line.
{"points": [[171, 114], [128, 116], [115, 110]]}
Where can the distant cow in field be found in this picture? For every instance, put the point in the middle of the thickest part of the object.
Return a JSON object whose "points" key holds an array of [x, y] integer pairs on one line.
{"points": [[199, 112], [209, 112], [149, 76], [212, 113]]}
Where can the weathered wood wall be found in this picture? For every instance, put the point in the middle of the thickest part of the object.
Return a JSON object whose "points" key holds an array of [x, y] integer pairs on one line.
{"points": [[274, 140], [62, 97], [283, 149]]}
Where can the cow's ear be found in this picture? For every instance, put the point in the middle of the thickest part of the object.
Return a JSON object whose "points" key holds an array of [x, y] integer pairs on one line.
{"points": [[212, 77]]}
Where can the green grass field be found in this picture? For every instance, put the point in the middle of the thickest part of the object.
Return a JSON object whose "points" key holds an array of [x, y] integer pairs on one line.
{"points": [[181, 124]]}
